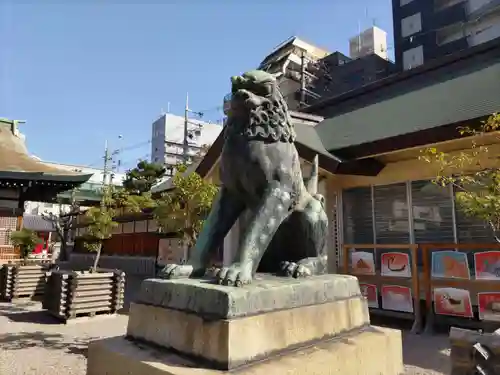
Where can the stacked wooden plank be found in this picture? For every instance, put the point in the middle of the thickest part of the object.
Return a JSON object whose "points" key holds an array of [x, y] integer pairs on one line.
{"points": [[73, 294], [22, 280]]}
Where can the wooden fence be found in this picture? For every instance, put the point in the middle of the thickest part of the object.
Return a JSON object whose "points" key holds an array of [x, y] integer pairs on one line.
{"points": [[129, 244], [459, 284]]}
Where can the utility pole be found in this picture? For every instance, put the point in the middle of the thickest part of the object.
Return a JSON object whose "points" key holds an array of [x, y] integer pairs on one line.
{"points": [[185, 143], [105, 172], [303, 79], [119, 152]]}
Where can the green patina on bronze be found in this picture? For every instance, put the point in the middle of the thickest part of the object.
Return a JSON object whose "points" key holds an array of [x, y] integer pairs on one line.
{"points": [[261, 178]]}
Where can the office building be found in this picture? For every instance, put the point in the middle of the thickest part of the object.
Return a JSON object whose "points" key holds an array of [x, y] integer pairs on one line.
{"points": [[371, 41], [167, 139]]}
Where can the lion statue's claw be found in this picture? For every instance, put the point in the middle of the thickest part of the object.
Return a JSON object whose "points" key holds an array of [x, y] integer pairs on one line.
{"points": [[176, 271], [233, 276], [292, 269]]}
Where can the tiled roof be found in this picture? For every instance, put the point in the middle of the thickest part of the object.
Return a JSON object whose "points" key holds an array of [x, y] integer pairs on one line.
{"points": [[454, 98], [37, 223], [16, 162]]}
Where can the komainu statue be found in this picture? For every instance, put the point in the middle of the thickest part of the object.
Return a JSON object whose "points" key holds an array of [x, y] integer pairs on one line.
{"points": [[261, 176]]}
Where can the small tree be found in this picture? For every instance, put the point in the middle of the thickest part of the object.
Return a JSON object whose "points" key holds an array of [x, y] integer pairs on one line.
{"points": [[473, 173], [101, 220], [63, 224], [26, 240], [133, 203], [141, 179], [184, 208], [100, 224]]}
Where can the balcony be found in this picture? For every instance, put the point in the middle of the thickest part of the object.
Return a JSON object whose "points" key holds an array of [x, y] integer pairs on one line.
{"points": [[485, 9], [455, 13]]}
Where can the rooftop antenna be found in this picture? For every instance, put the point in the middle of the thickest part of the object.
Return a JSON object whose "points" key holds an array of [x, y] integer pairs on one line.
{"points": [[168, 109], [359, 37]]}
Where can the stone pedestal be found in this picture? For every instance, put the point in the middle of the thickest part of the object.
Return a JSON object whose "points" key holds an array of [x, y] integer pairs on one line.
{"points": [[463, 359], [319, 325]]}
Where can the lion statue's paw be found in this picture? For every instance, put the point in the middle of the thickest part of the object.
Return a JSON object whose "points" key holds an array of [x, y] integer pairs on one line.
{"points": [[234, 275], [296, 270], [176, 271]]}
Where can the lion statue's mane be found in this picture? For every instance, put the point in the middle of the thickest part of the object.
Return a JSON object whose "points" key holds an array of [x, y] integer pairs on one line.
{"points": [[266, 117]]}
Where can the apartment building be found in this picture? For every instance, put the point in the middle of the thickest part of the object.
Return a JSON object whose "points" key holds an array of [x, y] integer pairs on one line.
{"points": [[167, 138], [428, 29]]}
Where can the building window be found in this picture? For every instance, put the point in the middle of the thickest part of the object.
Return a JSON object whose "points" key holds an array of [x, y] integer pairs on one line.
{"points": [[358, 216], [411, 25], [380, 215], [443, 4], [432, 207], [391, 214], [484, 30], [413, 57], [450, 33], [473, 6]]}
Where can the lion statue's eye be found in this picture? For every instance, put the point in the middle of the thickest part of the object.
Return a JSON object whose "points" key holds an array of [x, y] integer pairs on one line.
{"points": [[268, 88], [262, 89]]}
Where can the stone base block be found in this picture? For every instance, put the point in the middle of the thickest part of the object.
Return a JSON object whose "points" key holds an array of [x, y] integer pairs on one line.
{"points": [[371, 351], [228, 327], [462, 357], [228, 343]]}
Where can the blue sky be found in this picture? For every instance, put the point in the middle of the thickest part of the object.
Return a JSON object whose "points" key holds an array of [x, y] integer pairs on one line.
{"points": [[83, 71]]}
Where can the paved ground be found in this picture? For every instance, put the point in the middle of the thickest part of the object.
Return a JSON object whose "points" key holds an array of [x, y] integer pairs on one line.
{"points": [[32, 343]]}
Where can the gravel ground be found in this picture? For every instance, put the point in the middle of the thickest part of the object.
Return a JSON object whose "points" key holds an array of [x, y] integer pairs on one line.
{"points": [[31, 343]]}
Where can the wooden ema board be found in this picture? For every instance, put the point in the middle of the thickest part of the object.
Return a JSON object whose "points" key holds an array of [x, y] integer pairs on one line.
{"points": [[462, 281], [7, 225], [388, 278]]}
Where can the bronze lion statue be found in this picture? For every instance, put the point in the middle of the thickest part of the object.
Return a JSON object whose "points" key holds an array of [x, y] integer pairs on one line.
{"points": [[261, 175]]}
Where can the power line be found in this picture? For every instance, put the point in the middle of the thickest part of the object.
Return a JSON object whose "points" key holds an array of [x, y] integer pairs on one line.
{"points": [[98, 161], [212, 109], [135, 160], [119, 151], [134, 146]]}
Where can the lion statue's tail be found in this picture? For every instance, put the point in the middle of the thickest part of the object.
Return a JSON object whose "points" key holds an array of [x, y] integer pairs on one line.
{"points": [[312, 182]]}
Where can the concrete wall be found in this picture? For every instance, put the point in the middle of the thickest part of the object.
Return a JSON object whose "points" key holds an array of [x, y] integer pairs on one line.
{"points": [[131, 265]]}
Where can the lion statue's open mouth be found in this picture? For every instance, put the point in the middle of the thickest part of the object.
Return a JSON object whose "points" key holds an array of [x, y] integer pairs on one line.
{"points": [[254, 88], [258, 110], [261, 175]]}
